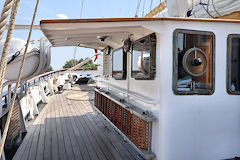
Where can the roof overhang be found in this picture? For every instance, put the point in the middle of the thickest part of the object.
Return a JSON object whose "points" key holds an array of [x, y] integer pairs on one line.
{"points": [[97, 34], [100, 33]]}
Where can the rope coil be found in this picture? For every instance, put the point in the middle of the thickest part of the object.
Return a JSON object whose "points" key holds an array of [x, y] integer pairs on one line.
{"points": [[4, 16]]}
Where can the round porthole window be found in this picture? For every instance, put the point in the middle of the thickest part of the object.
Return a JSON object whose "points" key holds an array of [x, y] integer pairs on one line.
{"points": [[195, 62]]}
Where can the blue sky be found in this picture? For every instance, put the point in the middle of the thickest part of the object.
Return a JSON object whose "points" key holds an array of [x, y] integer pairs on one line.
{"points": [[48, 9]]}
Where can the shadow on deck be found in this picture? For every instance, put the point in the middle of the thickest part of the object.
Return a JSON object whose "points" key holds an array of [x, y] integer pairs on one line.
{"points": [[68, 130]]}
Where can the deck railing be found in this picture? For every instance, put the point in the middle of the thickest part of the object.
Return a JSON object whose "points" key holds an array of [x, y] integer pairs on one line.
{"points": [[28, 83], [132, 95]]}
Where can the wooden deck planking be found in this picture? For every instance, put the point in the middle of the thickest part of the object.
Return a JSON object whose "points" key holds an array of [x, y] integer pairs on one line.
{"points": [[90, 144], [60, 138], [54, 144], [79, 137], [67, 141], [69, 130], [27, 139], [41, 140], [108, 134], [97, 141], [108, 148]]}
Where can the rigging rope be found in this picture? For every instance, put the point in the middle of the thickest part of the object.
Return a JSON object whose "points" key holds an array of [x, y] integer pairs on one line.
{"points": [[75, 48], [138, 6], [143, 8], [82, 63], [216, 9], [129, 5], [151, 5], [206, 9], [4, 16], [81, 9], [19, 74], [192, 9], [6, 48], [162, 9]]}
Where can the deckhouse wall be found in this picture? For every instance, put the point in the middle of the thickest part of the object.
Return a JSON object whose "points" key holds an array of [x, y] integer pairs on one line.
{"points": [[196, 126], [187, 126]]}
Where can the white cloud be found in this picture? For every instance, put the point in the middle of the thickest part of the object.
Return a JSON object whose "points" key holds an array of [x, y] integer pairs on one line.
{"points": [[61, 16]]}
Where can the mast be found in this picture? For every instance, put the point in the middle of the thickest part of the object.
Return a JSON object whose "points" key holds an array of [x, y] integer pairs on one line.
{"points": [[75, 48], [157, 10]]}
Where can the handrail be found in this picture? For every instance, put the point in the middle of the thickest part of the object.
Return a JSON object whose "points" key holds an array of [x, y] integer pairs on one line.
{"points": [[139, 97], [44, 74], [4, 94]]}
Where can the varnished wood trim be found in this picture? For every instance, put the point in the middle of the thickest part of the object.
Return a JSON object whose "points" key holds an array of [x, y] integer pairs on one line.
{"points": [[136, 19]]}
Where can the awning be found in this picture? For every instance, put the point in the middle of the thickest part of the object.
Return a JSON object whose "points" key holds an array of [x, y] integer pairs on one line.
{"points": [[92, 33], [100, 33]]}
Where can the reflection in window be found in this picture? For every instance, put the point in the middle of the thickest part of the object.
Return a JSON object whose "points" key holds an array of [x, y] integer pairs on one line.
{"points": [[119, 64], [143, 57], [193, 62], [234, 64]]}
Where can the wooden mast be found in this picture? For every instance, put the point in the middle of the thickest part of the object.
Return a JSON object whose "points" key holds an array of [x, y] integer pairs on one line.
{"points": [[157, 10], [234, 15]]}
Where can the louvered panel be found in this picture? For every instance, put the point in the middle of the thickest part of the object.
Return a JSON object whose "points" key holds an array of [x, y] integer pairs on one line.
{"points": [[134, 127]]}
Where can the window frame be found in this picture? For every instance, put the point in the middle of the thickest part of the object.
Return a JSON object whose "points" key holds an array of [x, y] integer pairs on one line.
{"points": [[229, 54], [175, 62], [124, 69], [153, 51]]}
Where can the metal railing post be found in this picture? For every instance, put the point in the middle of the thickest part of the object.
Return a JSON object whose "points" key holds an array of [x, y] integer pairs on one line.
{"points": [[21, 89], [9, 97]]}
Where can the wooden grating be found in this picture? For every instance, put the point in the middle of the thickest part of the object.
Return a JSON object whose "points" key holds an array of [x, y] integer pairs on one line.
{"points": [[134, 127], [14, 127]]}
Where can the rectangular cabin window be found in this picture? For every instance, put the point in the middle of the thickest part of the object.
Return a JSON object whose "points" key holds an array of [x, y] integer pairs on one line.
{"points": [[119, 64], [106, 61], [193, 62], [233, 80], [143, 58]]}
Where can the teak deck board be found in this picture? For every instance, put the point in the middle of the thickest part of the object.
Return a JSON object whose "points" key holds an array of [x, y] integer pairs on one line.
{"points": [[69, 130]]}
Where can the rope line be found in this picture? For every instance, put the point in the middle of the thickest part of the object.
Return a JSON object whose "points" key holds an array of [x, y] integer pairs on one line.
{"points": [[6, 48], [138, 6], [81, 9], [129, 5], [143, 8], [4, 16], [19, 77], [207, 9], [162, 9], [151, 5], [192, 9], [216, 9]]}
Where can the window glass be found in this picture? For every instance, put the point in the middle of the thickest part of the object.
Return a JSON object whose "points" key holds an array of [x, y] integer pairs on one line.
{"points": [[193, 62], [143, 57], [119, 64], [234, 64]]}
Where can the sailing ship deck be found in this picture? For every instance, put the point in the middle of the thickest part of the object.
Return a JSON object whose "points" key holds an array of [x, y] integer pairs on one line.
{"points": [[68, 129]]}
